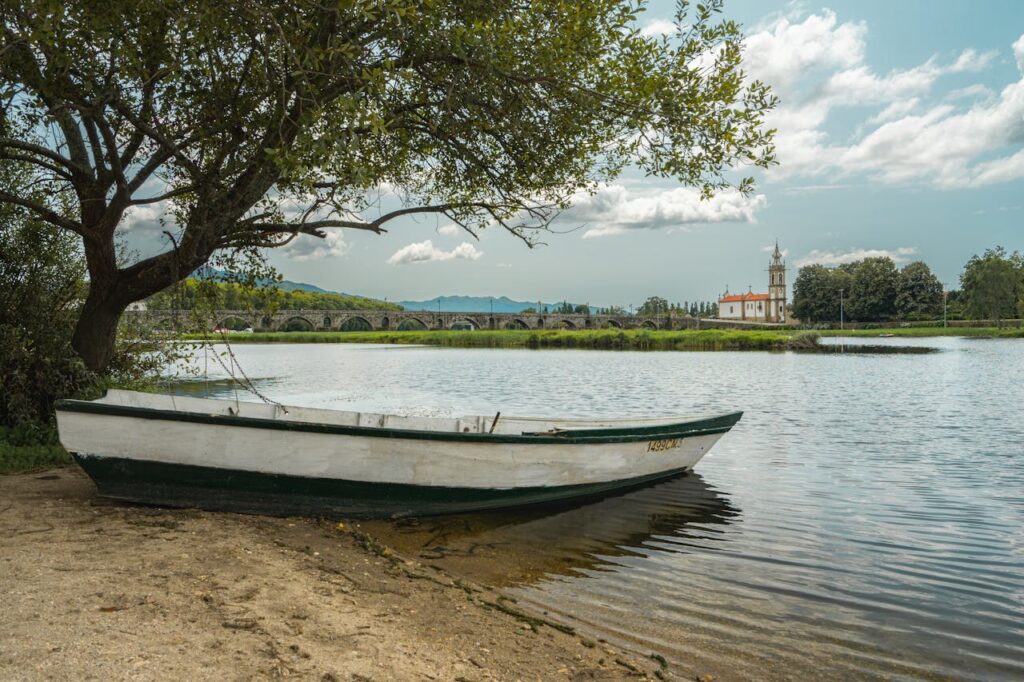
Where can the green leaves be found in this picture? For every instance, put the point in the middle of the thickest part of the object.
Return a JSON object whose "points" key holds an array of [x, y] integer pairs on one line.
{"points": [[261, 120], [992, 285]]}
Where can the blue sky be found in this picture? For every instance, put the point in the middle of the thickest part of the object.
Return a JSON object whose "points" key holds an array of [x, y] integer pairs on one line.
{"points": [[901, 132]]}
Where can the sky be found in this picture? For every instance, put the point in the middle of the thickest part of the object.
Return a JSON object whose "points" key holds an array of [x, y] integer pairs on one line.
{"points": [[900, 133]]}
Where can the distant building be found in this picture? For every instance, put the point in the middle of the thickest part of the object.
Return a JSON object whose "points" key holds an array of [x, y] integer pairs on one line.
{"points": [[751, 307]]}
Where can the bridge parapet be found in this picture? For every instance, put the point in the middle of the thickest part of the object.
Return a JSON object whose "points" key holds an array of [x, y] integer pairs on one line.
{"points": [[391, 320]]}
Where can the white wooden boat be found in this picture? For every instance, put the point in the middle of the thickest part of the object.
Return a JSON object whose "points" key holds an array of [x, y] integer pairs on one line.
{"points": [[259, 458]]}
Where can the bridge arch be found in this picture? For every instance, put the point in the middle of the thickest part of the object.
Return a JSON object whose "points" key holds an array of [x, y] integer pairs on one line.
{"points": [[564, 324], [297, 323], [464, 324], [649, 324], [326, 322], [516, 323], [233, 322], [355, 323], [385, 323], [411, 324], [611, 324]]}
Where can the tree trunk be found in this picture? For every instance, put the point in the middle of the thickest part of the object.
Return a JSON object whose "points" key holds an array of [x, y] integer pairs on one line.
{"points": [[96, 331], [111, 291]]}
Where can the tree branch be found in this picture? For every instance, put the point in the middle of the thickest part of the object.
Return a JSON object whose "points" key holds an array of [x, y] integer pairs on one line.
{"points": [[43, 151], [46, 214]]}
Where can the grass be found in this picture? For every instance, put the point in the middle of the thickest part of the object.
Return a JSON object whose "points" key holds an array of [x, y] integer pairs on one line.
{"points": [[610, 339], [605, 339], [19, 455], [1005, 332]]}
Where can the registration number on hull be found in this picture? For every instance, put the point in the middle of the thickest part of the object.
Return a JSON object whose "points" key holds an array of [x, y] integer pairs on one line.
{"points": [[662, 445]]}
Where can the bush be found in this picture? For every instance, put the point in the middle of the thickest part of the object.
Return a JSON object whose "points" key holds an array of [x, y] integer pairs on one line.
{"points": [[41, 284], [808, 340]]}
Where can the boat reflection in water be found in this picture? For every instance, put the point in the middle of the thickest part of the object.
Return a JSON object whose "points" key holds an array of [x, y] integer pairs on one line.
{"points": [[508, 549]]}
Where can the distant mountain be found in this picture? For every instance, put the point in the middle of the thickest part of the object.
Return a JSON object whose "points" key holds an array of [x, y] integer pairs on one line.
{"points": [[283, 285], [473, 304], [449, 304]]}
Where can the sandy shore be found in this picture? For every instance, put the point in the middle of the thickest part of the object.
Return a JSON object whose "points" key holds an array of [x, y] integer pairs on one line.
{"points": [[95, 590]]}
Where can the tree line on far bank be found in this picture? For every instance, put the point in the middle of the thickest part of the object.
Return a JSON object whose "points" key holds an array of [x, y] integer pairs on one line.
{"points": [[654, 306], [876, 290]]}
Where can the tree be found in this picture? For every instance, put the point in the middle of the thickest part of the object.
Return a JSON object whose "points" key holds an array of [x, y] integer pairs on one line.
{"points": [[993, 284], [872, 295], [816, 292], [653, 307], [918, 292], [247, 124]]}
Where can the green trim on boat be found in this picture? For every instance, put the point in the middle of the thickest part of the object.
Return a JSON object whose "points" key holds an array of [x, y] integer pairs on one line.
{"points": [[181, 485], [699, 427]]}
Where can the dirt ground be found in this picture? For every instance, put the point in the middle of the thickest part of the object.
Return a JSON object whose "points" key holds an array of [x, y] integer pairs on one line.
{"points": [[95, 590]]}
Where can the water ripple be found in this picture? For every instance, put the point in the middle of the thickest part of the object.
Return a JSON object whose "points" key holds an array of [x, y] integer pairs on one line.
{"points": [[864, 520]]}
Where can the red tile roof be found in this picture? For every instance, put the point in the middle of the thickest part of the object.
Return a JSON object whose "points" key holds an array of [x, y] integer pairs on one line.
{"points": [[736, 298]]}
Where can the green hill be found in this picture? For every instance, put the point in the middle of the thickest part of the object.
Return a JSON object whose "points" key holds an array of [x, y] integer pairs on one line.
{"points": [[232, 296]]}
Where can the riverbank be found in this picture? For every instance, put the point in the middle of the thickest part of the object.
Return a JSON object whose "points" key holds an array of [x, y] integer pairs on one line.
{"points": [[983, 332], [603, 339], [609, 339], [104, 591]]}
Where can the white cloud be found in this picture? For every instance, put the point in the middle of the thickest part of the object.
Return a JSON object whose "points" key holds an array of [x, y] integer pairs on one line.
{"points": [[307, 247], [425, 251], [784, 53], [897, 109], [972, 60], [833, 258], [970, 92], [817, 65], [615, 209], [145, 217], [658, 27], [449, 230]]}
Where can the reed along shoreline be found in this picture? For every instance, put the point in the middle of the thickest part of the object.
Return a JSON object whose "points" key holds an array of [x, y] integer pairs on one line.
{"points": [[604, 339]]}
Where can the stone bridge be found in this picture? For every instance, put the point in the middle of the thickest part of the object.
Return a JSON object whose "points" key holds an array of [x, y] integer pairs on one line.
{"points": [[398, 320]]}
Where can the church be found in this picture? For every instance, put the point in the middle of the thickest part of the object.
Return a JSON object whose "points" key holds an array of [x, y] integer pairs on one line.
{"points": [[751, 307]]}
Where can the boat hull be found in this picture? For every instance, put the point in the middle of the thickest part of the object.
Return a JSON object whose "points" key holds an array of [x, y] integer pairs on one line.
{"points": [[248, 492], [245, 457]]}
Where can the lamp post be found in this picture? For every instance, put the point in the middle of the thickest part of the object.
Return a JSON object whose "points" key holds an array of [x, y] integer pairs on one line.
{"points": [[945, 298], [841, 309]]}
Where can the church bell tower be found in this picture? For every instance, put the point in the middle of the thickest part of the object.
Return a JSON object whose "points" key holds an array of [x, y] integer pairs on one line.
{"points": [[777, 287]]}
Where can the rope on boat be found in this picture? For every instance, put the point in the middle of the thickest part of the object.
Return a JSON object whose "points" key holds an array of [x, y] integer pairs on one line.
{"points": [[246, 382]]}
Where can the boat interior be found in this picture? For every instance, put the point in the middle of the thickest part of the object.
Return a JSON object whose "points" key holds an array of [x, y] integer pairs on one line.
{"points": [[472, 424]]}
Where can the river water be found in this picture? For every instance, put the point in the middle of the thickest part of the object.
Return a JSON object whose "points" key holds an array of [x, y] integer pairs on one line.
{"points": [[864, 520]]}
